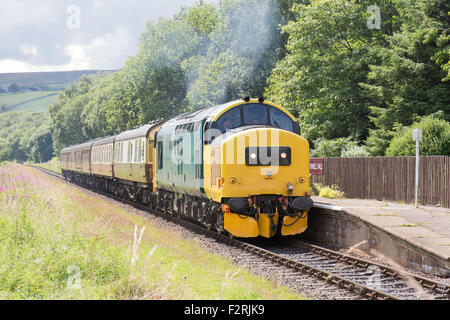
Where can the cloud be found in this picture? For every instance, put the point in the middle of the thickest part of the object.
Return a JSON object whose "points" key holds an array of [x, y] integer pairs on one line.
{"points": [[43, 35]]}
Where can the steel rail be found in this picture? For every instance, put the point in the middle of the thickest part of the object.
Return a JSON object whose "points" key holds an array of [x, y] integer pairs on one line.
{"points": [[323, 275], [438, 288]]}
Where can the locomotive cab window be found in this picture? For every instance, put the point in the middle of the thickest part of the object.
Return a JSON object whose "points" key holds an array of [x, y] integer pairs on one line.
{"points": [[279, 119], [230, 120], [255, 114]]}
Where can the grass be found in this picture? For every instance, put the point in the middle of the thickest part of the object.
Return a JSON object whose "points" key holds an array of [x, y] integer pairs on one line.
{"points": [[52, 165], [386, 215], [58, 86], [37, 79], [57, 242], [37, 105], [28, 101]]}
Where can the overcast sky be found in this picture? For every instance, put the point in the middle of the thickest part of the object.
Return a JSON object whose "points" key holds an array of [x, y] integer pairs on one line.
{"points": [[59, 35]]}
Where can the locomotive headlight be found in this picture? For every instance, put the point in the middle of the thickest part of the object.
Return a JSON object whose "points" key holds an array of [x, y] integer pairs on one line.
{"points": [[253, 156], [283, 155]]}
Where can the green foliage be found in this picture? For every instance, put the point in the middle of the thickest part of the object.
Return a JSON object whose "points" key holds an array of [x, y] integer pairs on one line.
{"points": [[25, 136], [355, 151], [407, 82], [435, 139], [40, 146], [340, 147], [328, 56]]}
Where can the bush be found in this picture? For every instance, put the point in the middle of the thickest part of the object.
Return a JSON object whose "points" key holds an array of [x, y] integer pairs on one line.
{"points": [[355, 152], [435, 138], [341, 147], [332, 192]]}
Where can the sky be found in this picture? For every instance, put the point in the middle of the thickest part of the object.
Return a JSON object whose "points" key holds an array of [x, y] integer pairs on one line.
{"points": [[61, 35]]}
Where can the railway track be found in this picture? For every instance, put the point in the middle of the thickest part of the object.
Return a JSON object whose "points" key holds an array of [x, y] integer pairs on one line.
{"points": [[367, 279]]}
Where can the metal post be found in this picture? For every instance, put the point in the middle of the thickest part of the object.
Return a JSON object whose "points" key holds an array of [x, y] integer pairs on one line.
{"points": [[417, 137], [417, 172]]}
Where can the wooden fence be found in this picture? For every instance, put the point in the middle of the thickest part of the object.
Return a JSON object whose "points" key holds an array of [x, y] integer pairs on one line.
{"points": [[389, 178]]}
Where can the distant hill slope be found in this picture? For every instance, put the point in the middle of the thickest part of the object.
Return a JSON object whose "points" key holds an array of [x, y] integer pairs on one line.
{"points": [[27, 101], [36, 79], [38, 89]]}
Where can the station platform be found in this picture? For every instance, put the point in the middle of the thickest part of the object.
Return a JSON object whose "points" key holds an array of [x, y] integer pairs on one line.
{"points": [[424, 232]]}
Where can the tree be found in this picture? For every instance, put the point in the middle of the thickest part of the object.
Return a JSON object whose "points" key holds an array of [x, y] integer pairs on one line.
{"points": [[13, 88], [67, 123], [407, 83], [41, 145], [328, 56]]}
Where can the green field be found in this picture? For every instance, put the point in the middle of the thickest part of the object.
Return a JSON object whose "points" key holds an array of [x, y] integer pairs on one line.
{"points": [[36, 79], [28, 101]]}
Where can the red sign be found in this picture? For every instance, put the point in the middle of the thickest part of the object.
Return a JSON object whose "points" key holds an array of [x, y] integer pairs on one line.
{"points": [[317, 166]]}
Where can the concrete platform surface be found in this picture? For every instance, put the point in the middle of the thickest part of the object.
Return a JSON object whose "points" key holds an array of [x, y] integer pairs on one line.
{"points": [[425, 227]]}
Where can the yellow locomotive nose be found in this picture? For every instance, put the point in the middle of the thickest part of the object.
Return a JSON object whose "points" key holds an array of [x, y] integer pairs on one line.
{"points": [[262, 166], [264, 161]]}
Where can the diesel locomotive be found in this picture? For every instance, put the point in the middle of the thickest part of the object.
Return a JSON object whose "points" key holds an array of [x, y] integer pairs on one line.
{"points": [[241, 168]]}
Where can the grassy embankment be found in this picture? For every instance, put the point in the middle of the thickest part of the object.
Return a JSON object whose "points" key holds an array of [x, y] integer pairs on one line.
{"points": [[53, 165], [57, 242]]}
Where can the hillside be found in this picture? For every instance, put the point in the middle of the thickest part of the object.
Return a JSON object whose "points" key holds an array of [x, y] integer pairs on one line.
{"points": [[38, 90], [37, 79], [27, 101]]}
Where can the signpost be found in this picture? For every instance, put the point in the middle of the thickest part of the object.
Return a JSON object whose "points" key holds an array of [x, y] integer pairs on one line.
{"points": [[417, 137]]}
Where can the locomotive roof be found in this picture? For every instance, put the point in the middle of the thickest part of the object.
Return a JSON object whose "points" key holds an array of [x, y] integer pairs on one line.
{"points": [[200, 114], [216, 111]]}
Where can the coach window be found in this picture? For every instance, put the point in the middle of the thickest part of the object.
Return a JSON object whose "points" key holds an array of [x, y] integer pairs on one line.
{"points": [[142, 150], [160, 155]]}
